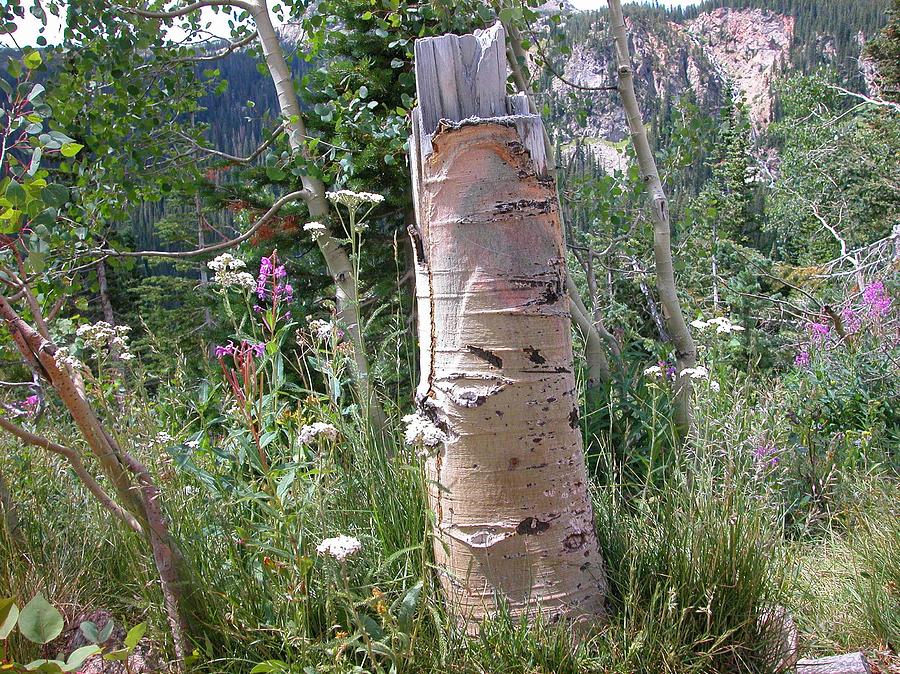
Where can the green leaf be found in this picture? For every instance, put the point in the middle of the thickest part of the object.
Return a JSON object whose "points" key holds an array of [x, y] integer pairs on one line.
{"points": [[39, 621], [373, 629], [36, 91], [78, 656], [135, 634], [55, 196], [16, 193], [106, 632], [9, 613], [70, 149], [89, 630], [268, 666], [50, 666], [408, 606], [33, 60]]}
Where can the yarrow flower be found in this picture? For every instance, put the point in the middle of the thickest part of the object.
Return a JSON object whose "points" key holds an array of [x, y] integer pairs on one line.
{"points": [[353, 200], [721, 323], [323, 329], [339, 547], [698, 372], [421, 431], [228, 272], [315, 229], [64, 359], [876, 299], [101, 336], [312, 431]]}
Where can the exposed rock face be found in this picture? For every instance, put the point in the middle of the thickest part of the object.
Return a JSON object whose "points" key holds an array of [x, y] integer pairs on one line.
{"points": [[744, 49], [749, 48]]}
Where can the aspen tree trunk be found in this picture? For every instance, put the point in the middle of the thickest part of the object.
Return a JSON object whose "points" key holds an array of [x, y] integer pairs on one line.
{"points": [[508, 487], [685, 350], [336, 260]]}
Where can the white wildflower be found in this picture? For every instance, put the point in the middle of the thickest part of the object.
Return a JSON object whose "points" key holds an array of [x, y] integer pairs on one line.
{"points": [[714, 385], [311, 431], [163, 438], [653, 371], [64, 359], [321, 329], [339, 547], [192, 444], [700, 325], [698, 372], [315, 229], [724, 325], [228, 272], [101, 336], [353, 200], [226, 262], [421, 431]]}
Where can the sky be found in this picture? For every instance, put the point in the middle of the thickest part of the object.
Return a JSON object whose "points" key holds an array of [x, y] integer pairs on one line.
{"points": [[27, 29]]}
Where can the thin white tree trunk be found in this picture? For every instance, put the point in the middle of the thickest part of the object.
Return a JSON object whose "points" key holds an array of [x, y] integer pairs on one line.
{"points": [[685, 350], [508, 487], [336, 259]]}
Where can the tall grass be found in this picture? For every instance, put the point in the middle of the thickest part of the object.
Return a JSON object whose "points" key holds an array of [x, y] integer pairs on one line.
{"points": [[695, 542]]}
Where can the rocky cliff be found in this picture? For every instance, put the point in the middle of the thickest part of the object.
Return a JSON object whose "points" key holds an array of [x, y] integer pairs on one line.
{"points": [[744, 49]]}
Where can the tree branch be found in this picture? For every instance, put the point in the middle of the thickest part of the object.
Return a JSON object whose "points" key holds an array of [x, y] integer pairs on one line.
{"points": [[182, 11], [78, 467], [277, 206]]}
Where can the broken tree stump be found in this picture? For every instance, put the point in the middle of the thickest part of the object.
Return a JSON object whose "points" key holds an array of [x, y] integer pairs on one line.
{"points": [[508, 485]]}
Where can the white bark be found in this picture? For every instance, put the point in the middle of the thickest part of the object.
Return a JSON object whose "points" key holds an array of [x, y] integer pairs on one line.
{"points": [[509, 487], [685, 350], [336, 259]]}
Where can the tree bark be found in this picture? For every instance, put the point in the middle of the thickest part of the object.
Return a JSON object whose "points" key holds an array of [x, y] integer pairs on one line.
{"points": [[336, 259], [685, 350], [508, 486], [593, 333]]}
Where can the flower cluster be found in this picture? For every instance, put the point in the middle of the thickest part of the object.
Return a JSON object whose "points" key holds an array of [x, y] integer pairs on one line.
{"points": [[229, 274], [315, 229], [64, 359], [319, 428], [722, 325], [766, 454], [876, 299], [245, 348], [819, 332], [661, 369], [27, 407], [421, 431], [101, 336], [323, 329], [851, 320], [339, 547], [271, 284], [698, 372], [353, 200]]}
